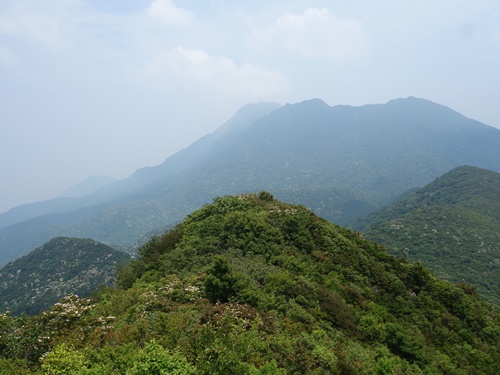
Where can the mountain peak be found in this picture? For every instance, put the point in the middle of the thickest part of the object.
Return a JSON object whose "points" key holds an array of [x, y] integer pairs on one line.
{"points": [[288, 267], [314, 102], [309, 104], [418, 104]]}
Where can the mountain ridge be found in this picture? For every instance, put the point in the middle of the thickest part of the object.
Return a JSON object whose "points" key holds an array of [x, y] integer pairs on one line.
{"points": [[365, 155]]}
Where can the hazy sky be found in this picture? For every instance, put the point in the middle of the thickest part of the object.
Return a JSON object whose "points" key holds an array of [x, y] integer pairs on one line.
{"points": [[106, 87]]}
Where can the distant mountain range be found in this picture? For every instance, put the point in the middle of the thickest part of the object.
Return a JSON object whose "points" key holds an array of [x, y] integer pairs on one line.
{"points": [[343, 162], [60, 267], [63, 203], [451, 225]]}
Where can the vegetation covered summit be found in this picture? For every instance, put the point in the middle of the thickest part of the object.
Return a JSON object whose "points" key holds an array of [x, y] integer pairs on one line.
{"points": [[251, 285]]}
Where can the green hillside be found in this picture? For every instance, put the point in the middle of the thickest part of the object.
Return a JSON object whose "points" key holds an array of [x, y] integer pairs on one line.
{"points": [[451, 225], [62, 266], [251, 285]]}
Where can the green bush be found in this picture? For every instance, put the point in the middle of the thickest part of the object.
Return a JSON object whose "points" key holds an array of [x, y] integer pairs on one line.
{"points": [[155, 360]]}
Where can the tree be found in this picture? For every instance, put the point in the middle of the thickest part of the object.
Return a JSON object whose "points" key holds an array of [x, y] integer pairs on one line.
{"points": [[221, 282]]}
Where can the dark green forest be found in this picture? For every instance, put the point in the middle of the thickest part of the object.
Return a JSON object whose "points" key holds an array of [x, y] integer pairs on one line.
{"points": [[251, 285], [62, 266], [451, 225]]}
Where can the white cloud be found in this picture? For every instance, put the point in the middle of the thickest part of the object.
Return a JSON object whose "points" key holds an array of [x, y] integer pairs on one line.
{"points": [[48, 25], [6, 56], [317, 33], [494, 26], [219, 73], [166, 11]]}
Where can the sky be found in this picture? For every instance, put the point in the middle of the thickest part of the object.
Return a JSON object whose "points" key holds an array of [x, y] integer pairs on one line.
{"points": [[92, 87]]}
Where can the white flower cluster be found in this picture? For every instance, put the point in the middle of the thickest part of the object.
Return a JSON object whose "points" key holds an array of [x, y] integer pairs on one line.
{"points": [[189, 292], [278, 211], [71, 306], [105, 323]]}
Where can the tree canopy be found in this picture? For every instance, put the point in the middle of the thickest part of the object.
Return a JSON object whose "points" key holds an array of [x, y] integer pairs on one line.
{"points": [[251, 285]]}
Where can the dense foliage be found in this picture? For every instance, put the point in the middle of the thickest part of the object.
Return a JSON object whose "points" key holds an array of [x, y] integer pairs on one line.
{"points": [[451, 226], [62, 266], [250, 285]]}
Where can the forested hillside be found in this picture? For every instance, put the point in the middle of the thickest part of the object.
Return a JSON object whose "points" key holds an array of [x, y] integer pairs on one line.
{"points": [[62, 266], [251, 285], [452, 226]]}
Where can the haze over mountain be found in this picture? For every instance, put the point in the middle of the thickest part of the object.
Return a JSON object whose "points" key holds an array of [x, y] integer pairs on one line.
{"points": [[342, 162], [451, 225], [64, 202], [89, 186], [107, 87]]}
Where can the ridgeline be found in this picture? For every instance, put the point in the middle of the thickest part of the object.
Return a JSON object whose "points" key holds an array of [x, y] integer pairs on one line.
{"points": [[251, 285]]}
